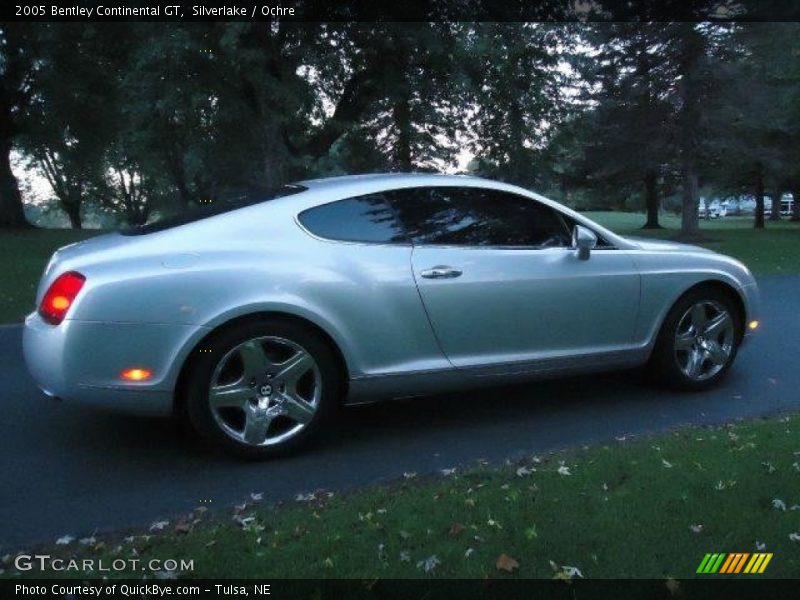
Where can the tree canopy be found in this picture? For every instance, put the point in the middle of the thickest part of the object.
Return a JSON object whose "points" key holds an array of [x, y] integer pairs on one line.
{"points": [[138, 118]]}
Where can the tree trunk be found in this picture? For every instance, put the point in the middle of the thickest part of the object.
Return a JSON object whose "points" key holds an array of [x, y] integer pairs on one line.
{"points": [[651, 200], [775, 215], [689, 222], [11, 211], [72, 206], [759, 216]]}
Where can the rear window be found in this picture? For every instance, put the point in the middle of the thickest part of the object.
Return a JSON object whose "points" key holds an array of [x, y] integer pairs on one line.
{"points": [[214, 206], [367, 219]]}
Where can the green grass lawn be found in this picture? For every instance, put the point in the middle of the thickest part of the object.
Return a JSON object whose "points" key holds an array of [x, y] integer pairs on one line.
{"points": [[635, 508], [23, 256], [774, 250]]}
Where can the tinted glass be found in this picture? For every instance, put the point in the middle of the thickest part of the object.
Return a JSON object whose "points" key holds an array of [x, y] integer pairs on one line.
{"points": [[363, 219], [465, 216], [214, 206]]}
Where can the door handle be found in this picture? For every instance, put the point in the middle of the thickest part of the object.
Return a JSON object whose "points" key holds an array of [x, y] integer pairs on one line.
{"points": [[441, 272]]}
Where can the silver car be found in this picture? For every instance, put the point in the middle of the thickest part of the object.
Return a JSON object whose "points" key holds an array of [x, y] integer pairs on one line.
{"points": [[256, 317]]}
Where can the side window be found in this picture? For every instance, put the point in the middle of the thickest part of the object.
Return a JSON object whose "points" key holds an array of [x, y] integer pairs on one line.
{"points": [[363, 219], [469, 216]]}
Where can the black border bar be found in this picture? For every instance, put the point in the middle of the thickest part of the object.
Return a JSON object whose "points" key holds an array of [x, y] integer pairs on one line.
{"points": [[406, 589], [408, 10]]}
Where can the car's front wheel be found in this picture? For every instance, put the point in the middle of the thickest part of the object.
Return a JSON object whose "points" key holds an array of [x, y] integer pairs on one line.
{"points": [[698, 340], [262, 388]]}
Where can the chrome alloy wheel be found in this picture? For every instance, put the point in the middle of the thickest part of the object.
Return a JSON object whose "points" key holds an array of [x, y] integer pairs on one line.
{"points": [[265, 391], [704, 340]]}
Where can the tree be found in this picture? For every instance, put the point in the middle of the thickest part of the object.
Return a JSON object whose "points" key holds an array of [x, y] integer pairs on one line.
{"points": [[631, 138], [69, 118], [17, 69], [518, 99], [753, 116]]}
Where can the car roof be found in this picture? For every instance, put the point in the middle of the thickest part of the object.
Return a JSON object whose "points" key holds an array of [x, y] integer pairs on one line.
{"points": [[403, 179]]}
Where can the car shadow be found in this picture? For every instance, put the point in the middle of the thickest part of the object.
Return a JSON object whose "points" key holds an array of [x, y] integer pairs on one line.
{"points": [[356, 427]]}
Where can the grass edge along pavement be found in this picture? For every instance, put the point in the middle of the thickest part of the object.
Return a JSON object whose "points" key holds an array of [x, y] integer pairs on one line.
{"points": [[645, 507]]}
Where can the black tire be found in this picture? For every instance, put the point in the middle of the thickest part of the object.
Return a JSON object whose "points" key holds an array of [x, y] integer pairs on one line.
{"points": [[664, 365], [208, 357]]}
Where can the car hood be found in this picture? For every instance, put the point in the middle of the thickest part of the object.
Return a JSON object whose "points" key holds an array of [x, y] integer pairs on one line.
{"points": [[666, 246]]}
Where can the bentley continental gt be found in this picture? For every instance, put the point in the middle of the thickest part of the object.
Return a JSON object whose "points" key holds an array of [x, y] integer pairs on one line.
{"points": [[255, 317]]}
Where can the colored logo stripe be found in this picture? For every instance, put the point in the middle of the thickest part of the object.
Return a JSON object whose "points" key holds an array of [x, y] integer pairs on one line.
{"points": [[711, 562], [734, 562]]}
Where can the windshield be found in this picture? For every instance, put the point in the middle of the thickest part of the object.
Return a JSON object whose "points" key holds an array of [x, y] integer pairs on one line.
{"points": [[211, 207]]}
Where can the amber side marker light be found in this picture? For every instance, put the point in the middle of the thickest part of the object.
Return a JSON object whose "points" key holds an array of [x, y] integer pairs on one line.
{"points": [[753, 325], [136, 374]]}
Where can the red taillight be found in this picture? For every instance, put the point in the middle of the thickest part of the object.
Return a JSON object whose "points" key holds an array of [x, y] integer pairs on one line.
{"points": [[60, 296]]}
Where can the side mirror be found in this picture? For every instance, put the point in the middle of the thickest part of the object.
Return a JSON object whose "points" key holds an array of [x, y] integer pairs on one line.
{"points": [[583, 240]]}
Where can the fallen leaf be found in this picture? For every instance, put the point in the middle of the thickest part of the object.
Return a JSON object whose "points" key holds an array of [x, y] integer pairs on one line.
{"points": [[794, 537], [525, 471], [183, 527], [429, 564], [405, 556], [760, 546], [505, 563], [666, 463], [409, 475], [571, 571], [244, 521], [778, 504], [696, 528], [87, 541], [158, 525], [65, 540], [531, 532], [328, 563], [564, 470], [448, 472], [257, 496], [469, 552], [456, 529]]}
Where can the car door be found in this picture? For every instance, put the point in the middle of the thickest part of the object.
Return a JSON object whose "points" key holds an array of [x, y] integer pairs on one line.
{"points": [[501, 283]]}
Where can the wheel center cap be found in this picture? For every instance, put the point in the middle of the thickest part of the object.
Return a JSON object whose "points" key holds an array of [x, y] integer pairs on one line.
{"points": [[265, 390]]}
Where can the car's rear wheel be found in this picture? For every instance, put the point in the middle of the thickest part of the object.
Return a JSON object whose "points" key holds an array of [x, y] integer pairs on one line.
{"points": [[698, 340], [262, 388]]}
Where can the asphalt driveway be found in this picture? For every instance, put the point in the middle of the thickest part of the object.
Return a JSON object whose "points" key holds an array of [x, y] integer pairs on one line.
{"points": [[68, 470]]}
